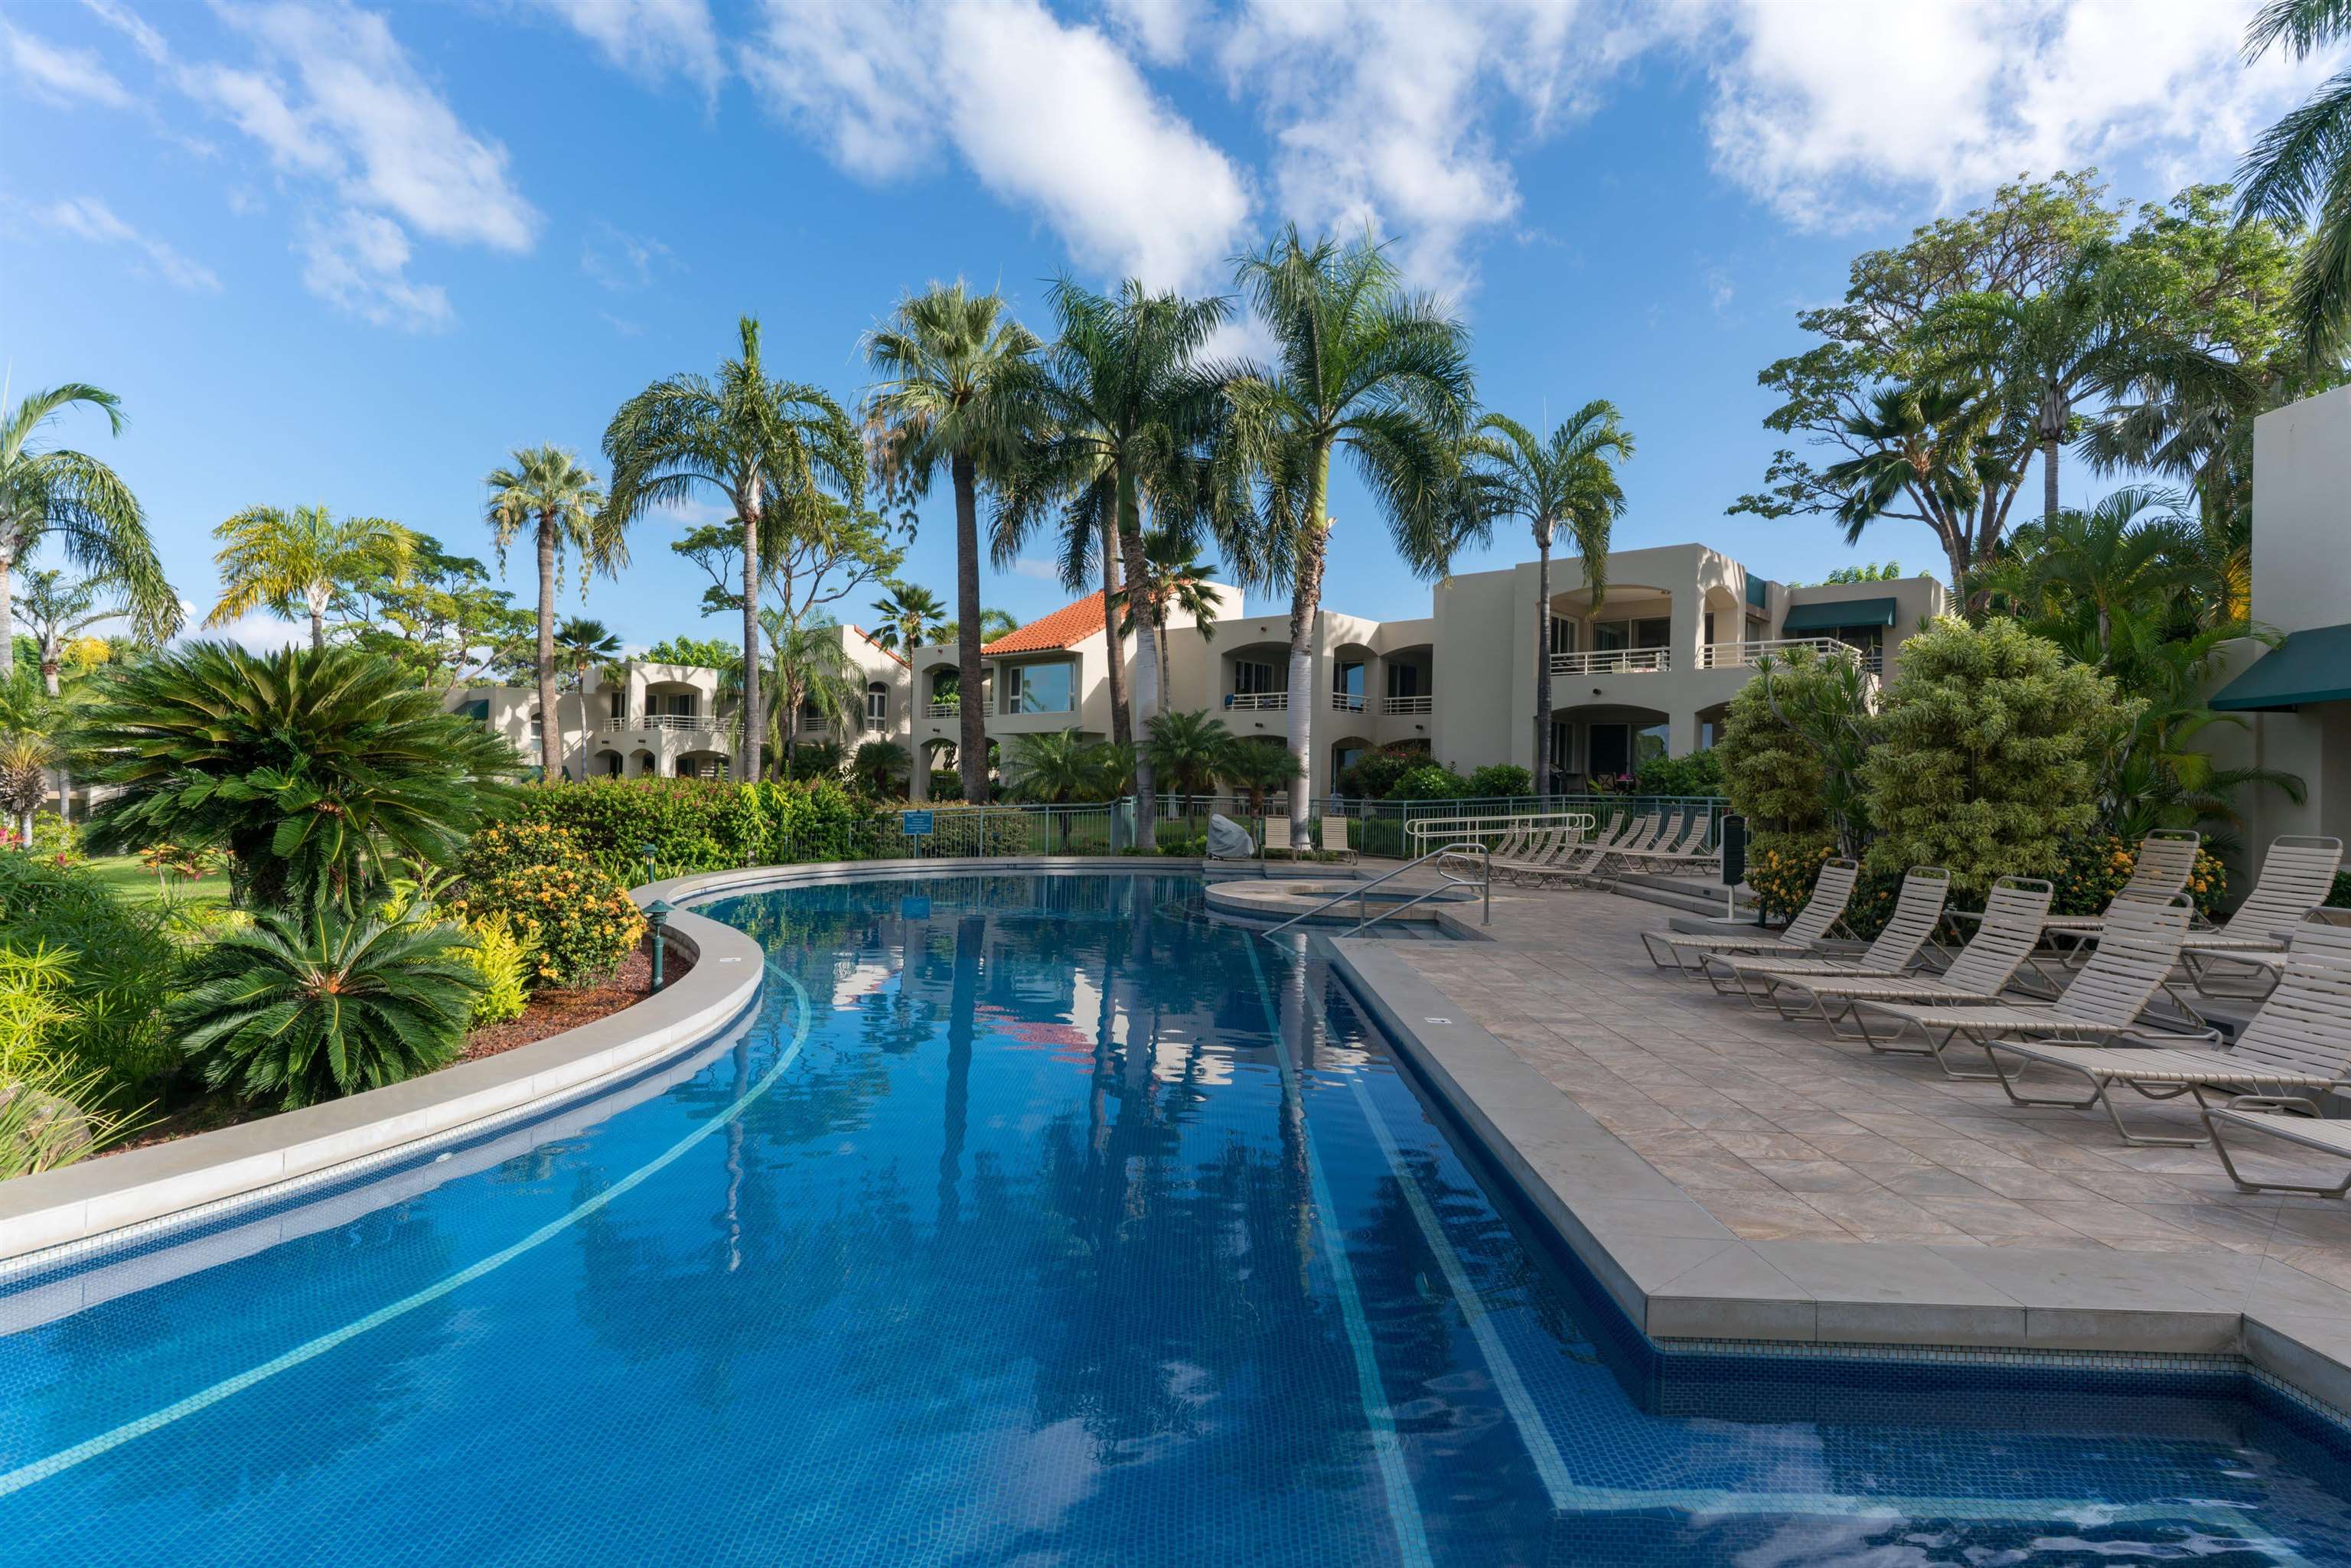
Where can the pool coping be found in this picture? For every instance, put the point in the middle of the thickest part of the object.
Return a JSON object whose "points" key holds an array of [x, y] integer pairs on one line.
{"points": [[1680, 1275]]}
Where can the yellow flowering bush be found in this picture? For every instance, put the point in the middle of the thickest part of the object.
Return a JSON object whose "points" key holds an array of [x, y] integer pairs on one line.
{"points": [[1781, 869], [2091, 868], [575, 916]]}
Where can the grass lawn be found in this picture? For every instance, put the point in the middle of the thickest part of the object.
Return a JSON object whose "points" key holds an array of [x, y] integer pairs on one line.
{"points": [[136, 883]]}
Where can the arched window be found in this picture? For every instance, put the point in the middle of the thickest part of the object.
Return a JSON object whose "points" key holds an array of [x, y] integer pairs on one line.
{"points": [[877, 705]]}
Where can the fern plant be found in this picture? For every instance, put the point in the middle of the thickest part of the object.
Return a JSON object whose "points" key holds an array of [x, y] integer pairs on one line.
{"points": [[303, 1011]]}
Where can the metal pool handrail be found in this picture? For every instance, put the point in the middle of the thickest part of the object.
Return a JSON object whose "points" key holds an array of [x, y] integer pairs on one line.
{"points": [[1467, 850]]}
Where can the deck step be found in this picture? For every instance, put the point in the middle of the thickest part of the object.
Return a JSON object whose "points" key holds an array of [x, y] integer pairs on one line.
{"points": [[1672, 895]]}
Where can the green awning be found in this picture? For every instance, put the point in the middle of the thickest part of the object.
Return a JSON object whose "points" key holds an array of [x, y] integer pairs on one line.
{"points": [[2314, 666], [1828, 617]]}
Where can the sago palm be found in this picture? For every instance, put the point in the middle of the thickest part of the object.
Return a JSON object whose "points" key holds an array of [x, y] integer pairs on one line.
{"points": [[1055, 766], [2302, 166], [292, 561], [84, 505], [778, 453], [1361, 366], [954, 392], [2073, 575], [1567, 478], [548, 491]]}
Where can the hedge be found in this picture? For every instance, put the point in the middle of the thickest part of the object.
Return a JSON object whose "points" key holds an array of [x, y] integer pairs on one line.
{"points": [[699, 824]]}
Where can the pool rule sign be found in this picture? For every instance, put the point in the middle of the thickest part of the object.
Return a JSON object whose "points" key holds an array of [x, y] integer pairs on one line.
{"points": [[917, 826]]}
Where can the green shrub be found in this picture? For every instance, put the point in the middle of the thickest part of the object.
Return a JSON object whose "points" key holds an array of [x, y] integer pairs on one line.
{"points": [[122, 965], [2093, 867], [33, 1006], [1699, 773], [55, 837], [1985, 762], [1429, 781], [1373, 775], [698, 824], [1792, 745], [2341, 897], [502, 960], [1781, 870], [52, 1115], [1500, 781], [573, 913], [300, 1011]]}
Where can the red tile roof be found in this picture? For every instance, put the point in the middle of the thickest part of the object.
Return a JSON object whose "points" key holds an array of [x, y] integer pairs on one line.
{"points": [[1065, 628]]}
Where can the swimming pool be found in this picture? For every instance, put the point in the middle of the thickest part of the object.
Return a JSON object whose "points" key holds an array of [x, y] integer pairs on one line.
{"points": [[1030, 1219]]}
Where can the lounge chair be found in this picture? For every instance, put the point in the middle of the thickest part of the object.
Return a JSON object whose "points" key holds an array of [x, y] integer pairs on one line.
{"points": [[2007, 931], [1334, 838], [2300, 1039], [2159, 874], [1690, 850], [2297, 875], [1572, 857], [2261, 1114], [1537, 851], [1897, 950], [2103, 1001], [1686, 951], [1276, 837]]}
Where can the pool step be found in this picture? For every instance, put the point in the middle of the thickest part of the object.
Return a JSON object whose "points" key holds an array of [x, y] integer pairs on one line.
{"points": [[1690, 896]]}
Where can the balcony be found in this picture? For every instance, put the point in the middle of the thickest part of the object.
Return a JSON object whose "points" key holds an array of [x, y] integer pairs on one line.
{"points": [[1426, 702], [686, 723], [947, 709], [1745, 656], [1350, 702], [1613, 662], [1261, 702]]}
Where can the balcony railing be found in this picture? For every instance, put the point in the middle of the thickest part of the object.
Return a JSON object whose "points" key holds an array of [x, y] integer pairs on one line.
{"points": [[692, 723], [1426, 702], [947, 709], [1742, 656], [1613, 662], [1264, 701], [1349, 702]]}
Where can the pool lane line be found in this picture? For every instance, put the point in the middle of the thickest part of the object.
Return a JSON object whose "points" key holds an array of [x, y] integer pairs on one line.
{"points": [[1379, 1418], [39, 1470]]}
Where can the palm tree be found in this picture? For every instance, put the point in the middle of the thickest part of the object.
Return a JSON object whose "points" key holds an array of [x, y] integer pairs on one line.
{"points": [[1186, 750], [1927, 454], [1257, 767], [1569, 478], [771, 448], [1363, 366], [82, 502], [956, 389], [289, 560], [583, 645], [815, 673], [1054, 767], [2073, 575], [1127, 410], [549, 489], [993, 623], [2304, 160], [910, 617], [58, 609], [1163, 577]]}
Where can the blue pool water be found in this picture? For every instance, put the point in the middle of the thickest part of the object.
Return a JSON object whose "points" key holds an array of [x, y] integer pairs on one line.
{"points": [[1031, 1221]]}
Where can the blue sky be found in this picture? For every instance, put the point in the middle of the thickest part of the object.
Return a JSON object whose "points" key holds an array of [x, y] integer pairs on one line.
{"points": [[354, 255]]}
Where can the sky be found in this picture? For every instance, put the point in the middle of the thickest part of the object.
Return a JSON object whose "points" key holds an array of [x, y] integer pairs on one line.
{"points": [[355, 254]]}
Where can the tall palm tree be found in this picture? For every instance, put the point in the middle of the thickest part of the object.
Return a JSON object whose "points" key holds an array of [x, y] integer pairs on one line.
{"points": [[774, 449], [291, 559], [909, 617], [2075, 574], [814, 672], [1363, 366], [1163, 577], [1126, 409], [84, 504], [58, 609], [550, 491], [955, 389], [583, 645], [1927, 461], [2304, 162], [1571, 478]]}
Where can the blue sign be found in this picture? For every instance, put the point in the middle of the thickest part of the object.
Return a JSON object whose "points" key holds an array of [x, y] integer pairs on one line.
{"points": [[914, 823]]}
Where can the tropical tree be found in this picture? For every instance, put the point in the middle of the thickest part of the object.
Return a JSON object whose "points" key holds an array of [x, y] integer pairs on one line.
{"points": [[878, 765], [772, 449], [2072, 574], [1257, 767], [956, 390], [1054, 766], [549, 490], [1568, 477], [582, 645], [1126, 414], [813, 674], [322, 771], [72, 497], [2303, 161], [909, 617], [26, 758], [1188, 750], [1924, 452], [993, 623], [58, 610], [1163, 577], [291, 560], [1361, 366]]}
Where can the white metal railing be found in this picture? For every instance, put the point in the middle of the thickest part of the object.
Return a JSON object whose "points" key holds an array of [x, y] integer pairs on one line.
{"points": [[1471, 853], [1423, 704], [1268, 701], [942, 710], [693, 722], [1349, 702], [1740, 655], [1613, 662]]}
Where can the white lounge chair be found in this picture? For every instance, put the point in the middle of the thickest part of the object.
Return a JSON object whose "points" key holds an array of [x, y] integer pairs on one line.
{"points": [[2103, 1001], [2159, 874], [1276, 837], [2261, 1113], [1334, 838], [2300, 1039], [1686, 951], [2296, 876], [1897, 949], [2007, 931], [1689, 849], [1573, 858]]}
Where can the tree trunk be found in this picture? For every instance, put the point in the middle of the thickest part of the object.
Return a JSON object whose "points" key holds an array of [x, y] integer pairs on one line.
{"points": [[1305, 600], [7, 617], [755, 719], [65, 797], [550, 723], [2049, 444], [52, 661], [1542, 658], [971, 759], [1146, 703], [318, 626], [1121, 721]]}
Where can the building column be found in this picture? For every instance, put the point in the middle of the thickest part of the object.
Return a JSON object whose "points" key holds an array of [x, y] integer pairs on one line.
{"points": [[1681, 733]]}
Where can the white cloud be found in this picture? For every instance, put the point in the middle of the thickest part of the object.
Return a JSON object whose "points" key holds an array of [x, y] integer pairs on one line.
{"points": [[651, 38], [359, 260], [1042, 570], [93, 220], [1834, 112], [59, 75], [256, 631], [1162, 30], [621, 261], [131, 25], [1049, 116]]}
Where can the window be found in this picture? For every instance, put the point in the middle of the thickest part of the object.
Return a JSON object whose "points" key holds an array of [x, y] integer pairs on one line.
{"points": [[1347, 681], [1607, 636], [1649, 743], [674, 705], [478, 710], [1562, 635], [537, 726], [877, 705], [1657, 632], [1608, 749], [1651, 632], [621, 706], [1041, 688], [1710, 625], [1407, 681], [1253, 679], [1345, 757]]}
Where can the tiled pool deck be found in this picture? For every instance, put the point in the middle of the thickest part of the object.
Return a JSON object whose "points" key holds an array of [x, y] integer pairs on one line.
{"points": [[1704, 1144]]}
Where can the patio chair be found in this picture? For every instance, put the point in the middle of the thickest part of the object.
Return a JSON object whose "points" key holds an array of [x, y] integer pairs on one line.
{"points": [[2103, 1001], [2166, 858], [1576, 859], [1897, 950], [2007, 931], [1544, 851], [1334, 838], [2261, 1113], [1276, 837], [1690, 850], [2300, 1039], [2297, 875], [1685, 952]]}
